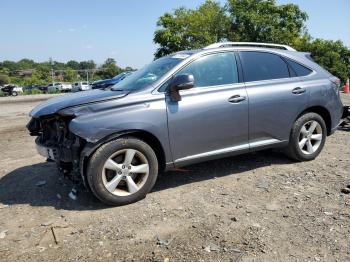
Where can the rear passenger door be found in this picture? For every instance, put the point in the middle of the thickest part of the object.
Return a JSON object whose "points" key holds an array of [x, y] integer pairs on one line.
{"points": [[276, 97]]}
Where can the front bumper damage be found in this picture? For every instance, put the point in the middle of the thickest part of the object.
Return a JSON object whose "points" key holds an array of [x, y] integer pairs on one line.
{"points": [[55, 142]]}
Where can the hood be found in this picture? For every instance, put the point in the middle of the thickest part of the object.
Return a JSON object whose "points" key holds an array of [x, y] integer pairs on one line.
{"points": [[56, 104]]}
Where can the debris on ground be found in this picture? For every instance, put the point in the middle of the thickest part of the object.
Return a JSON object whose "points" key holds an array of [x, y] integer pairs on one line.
{"points": [[263, 184], [40, 183], [273, 206], [2, 206], [73, 194], [54, 235], [3, 234], [164, 242], [48, 223], [345, 190], [212, 248]]}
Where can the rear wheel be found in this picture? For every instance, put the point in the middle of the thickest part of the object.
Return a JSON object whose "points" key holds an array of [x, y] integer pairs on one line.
{"points": [[122, 171], [307, 137]]}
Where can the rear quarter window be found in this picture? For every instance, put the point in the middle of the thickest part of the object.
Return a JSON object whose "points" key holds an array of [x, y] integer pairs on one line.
{"points": [[298, 69], [262, 66]]}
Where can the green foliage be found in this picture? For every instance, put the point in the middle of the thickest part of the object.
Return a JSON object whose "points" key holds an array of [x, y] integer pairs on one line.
{"points": [[70, 75], [251, 21], [265, 21], [4, 79], [73, 64], [191, 29], [2, 94], [54, 91], [239, 20], [109, 69], [10, 71], [332, 55], [32, 92], [90, 64]]}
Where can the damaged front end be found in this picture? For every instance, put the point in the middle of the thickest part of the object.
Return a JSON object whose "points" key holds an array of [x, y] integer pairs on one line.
{"points": [[55, 142]]}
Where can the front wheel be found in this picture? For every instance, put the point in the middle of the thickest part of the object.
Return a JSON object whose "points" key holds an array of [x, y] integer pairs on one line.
{"points": [[122, 171], [307, 138]]}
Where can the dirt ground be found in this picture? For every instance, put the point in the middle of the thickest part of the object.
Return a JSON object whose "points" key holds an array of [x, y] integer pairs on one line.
{"points": [[254, 207]]}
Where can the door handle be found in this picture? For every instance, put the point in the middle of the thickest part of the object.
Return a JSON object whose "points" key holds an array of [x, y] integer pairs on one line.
{"points": [[298, 90], [236, 99]]}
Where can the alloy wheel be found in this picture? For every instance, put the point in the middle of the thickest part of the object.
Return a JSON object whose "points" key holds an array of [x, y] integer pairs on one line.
{"points": [[310, 137], [125, 172]]}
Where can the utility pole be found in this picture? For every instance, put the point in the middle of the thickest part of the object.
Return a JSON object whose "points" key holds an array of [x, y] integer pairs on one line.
{"points": [[52, 74], [87, 75]]}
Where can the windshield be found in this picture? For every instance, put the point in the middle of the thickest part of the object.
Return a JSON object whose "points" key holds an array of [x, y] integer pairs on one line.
{"points": [[149, 74], [119, 76]]}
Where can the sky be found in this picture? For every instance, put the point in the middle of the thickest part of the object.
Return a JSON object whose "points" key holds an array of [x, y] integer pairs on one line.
{"points": [[91, 29]]}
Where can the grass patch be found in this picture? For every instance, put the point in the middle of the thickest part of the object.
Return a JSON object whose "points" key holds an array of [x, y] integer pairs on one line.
{"points": [[32, 92]]}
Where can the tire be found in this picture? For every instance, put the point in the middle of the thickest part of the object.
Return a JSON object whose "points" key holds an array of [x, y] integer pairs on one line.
{"points": [[14, 93], [133, 186], [301, 132]]}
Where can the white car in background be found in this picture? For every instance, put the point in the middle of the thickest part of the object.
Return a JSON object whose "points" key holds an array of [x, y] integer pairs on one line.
{"points": [[58, 86], [80, 86]]}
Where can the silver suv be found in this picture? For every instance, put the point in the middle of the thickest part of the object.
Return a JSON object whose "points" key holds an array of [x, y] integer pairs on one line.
{"points": [[188, 107]]}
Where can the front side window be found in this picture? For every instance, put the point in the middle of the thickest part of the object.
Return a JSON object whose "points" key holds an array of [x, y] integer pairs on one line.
{"points": [[262, 66], [213, 70]]}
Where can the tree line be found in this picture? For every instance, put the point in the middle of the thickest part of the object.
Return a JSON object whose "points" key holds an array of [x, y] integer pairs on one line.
{"points": [[27, 71], [236, 20], [248, 21]]}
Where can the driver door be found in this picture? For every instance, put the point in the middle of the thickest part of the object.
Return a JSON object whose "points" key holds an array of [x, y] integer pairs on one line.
{"points": [[211, 120]]}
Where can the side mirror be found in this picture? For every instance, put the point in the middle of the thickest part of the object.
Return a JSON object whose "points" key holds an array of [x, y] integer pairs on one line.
{"points": [[180, 82]]}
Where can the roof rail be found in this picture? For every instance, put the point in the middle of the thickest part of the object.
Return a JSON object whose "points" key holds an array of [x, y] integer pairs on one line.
{"points": [[228, 44]]}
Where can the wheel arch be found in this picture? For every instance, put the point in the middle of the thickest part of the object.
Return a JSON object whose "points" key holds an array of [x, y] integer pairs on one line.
{"points": [[323, 112], [143, 135]]}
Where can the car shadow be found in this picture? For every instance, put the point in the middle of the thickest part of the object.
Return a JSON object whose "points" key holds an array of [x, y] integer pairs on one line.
{"points": [[345, 126], [41, 185]]}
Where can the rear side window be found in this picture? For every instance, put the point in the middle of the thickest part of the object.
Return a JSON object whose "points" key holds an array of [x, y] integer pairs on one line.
{"points": [[213, 70], [297, 69], [263, 66]]}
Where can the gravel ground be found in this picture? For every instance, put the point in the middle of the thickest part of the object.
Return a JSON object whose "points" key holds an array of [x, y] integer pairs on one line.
{"points": [[253, 207], [27, 98]]}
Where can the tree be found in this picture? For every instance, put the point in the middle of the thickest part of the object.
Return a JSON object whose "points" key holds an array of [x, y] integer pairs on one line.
{"points": [[73, 64], [332, 55], [90, 64], [191, 29], [26, 64], [70, 75], [239, 20], [4, 79], [265, 21], [109, 69], [251, 21]]}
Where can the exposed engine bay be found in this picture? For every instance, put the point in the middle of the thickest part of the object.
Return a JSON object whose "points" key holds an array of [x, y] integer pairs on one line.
{"points": [[55, 142]]}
